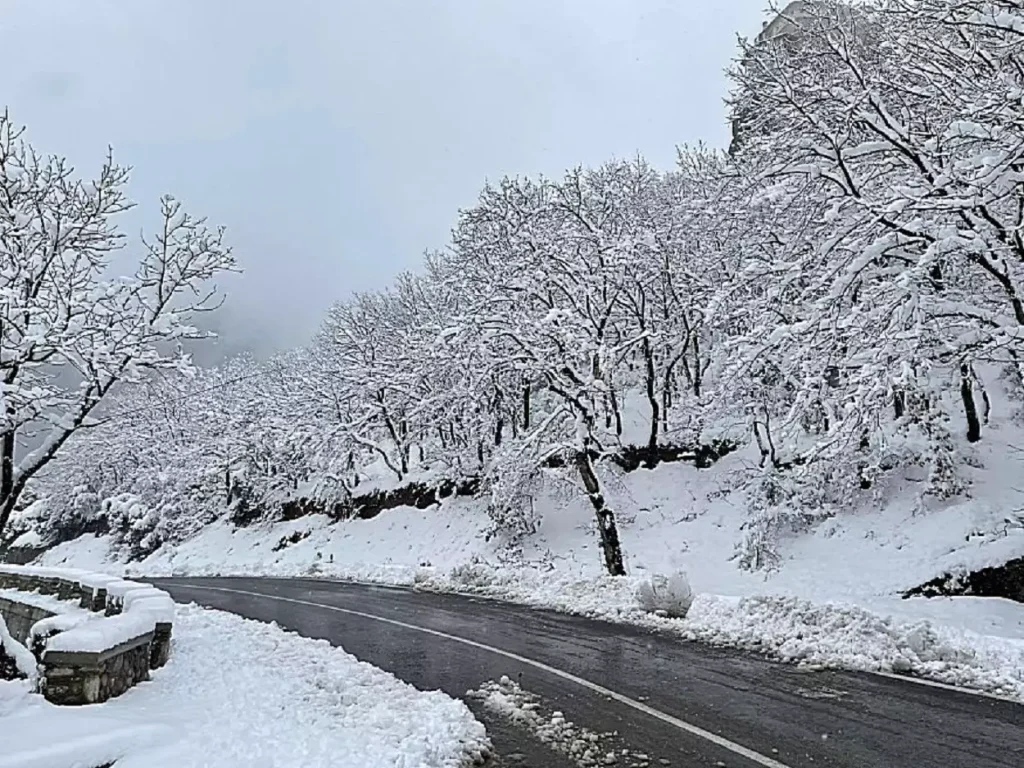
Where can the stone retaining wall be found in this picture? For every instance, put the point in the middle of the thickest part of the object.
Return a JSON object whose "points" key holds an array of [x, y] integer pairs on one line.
{"points": [[87, 678], [20, 618], [79, 677], [90, 598]]}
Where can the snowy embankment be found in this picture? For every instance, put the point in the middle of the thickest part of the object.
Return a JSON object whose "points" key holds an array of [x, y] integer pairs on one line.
{"points": [[833, 600], [212, 706]]}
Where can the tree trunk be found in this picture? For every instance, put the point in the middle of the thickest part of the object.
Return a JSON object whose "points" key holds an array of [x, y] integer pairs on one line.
{"points": [[652, 398], [610, 545], [899, 403], [970, 407], [666, 404], [7, 497], [5, 514], [865, 444], [698, 373], [526, 408], [615, 411]]}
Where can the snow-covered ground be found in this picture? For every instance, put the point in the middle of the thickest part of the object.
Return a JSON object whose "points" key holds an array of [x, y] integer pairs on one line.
{"points": [[834, 599], [211, 706]]}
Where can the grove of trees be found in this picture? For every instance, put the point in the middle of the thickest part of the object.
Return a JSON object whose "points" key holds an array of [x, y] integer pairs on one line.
{"points": [[843, 290]]}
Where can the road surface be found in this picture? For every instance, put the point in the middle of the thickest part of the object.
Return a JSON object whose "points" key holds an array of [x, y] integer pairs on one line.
{"points": [[665, 702]]}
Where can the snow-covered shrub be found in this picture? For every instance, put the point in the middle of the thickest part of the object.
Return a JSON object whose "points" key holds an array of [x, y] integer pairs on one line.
{"points": [[474, 575], [77, 513], [669, 595], [133, 525], [512, 482]]}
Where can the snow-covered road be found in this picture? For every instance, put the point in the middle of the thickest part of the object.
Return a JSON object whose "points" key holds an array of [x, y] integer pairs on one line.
{"points": [[559, 690]]}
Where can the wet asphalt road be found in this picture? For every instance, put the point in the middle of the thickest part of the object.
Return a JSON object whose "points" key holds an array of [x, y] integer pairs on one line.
{"points": [[762, 713]]}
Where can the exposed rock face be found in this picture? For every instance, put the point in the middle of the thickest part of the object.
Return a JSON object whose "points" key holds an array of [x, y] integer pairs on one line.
{"points": [[1005, 580]]}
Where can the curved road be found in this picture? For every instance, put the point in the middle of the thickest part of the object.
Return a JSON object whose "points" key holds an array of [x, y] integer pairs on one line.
{"points": [[665, 702]]}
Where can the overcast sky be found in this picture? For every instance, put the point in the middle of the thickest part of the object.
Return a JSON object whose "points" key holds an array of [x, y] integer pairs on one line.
{"points": [[336, 139]]}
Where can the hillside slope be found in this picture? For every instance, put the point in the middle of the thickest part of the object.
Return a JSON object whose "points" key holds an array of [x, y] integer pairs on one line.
{"points": [[834, 598]]}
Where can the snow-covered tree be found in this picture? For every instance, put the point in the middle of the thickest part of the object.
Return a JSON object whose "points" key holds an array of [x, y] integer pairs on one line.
{"points": [[888, 136], [69, 333]]}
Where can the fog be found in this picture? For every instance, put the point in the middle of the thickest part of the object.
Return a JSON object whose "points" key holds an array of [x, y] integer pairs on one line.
{"points": [[336, 140]]}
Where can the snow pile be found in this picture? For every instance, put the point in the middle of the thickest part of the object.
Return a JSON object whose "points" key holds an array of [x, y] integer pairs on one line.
{"points": [[27, 540], [211, 706], [102, 633], [24, 661], [509, 700], [850, 637], [61, 622], [12, 696], [90, 552], [583, 746], [669, 596]]}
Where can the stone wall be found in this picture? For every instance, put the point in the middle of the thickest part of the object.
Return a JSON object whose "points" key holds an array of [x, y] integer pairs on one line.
{"points": [[89, 678], [74, 678], [62, 588], [20, 618]]}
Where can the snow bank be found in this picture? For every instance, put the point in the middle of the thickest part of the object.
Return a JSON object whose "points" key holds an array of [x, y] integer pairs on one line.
{"points": [[850, 637], [102, 634], [581, 745], [212, 706], [90, 552], [24, 661]]}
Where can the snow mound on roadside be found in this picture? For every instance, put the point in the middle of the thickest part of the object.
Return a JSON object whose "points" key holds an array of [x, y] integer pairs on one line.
{"points": [[324, 707], [669, 595], [524, 709], [243, 693], [849, 637]]}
